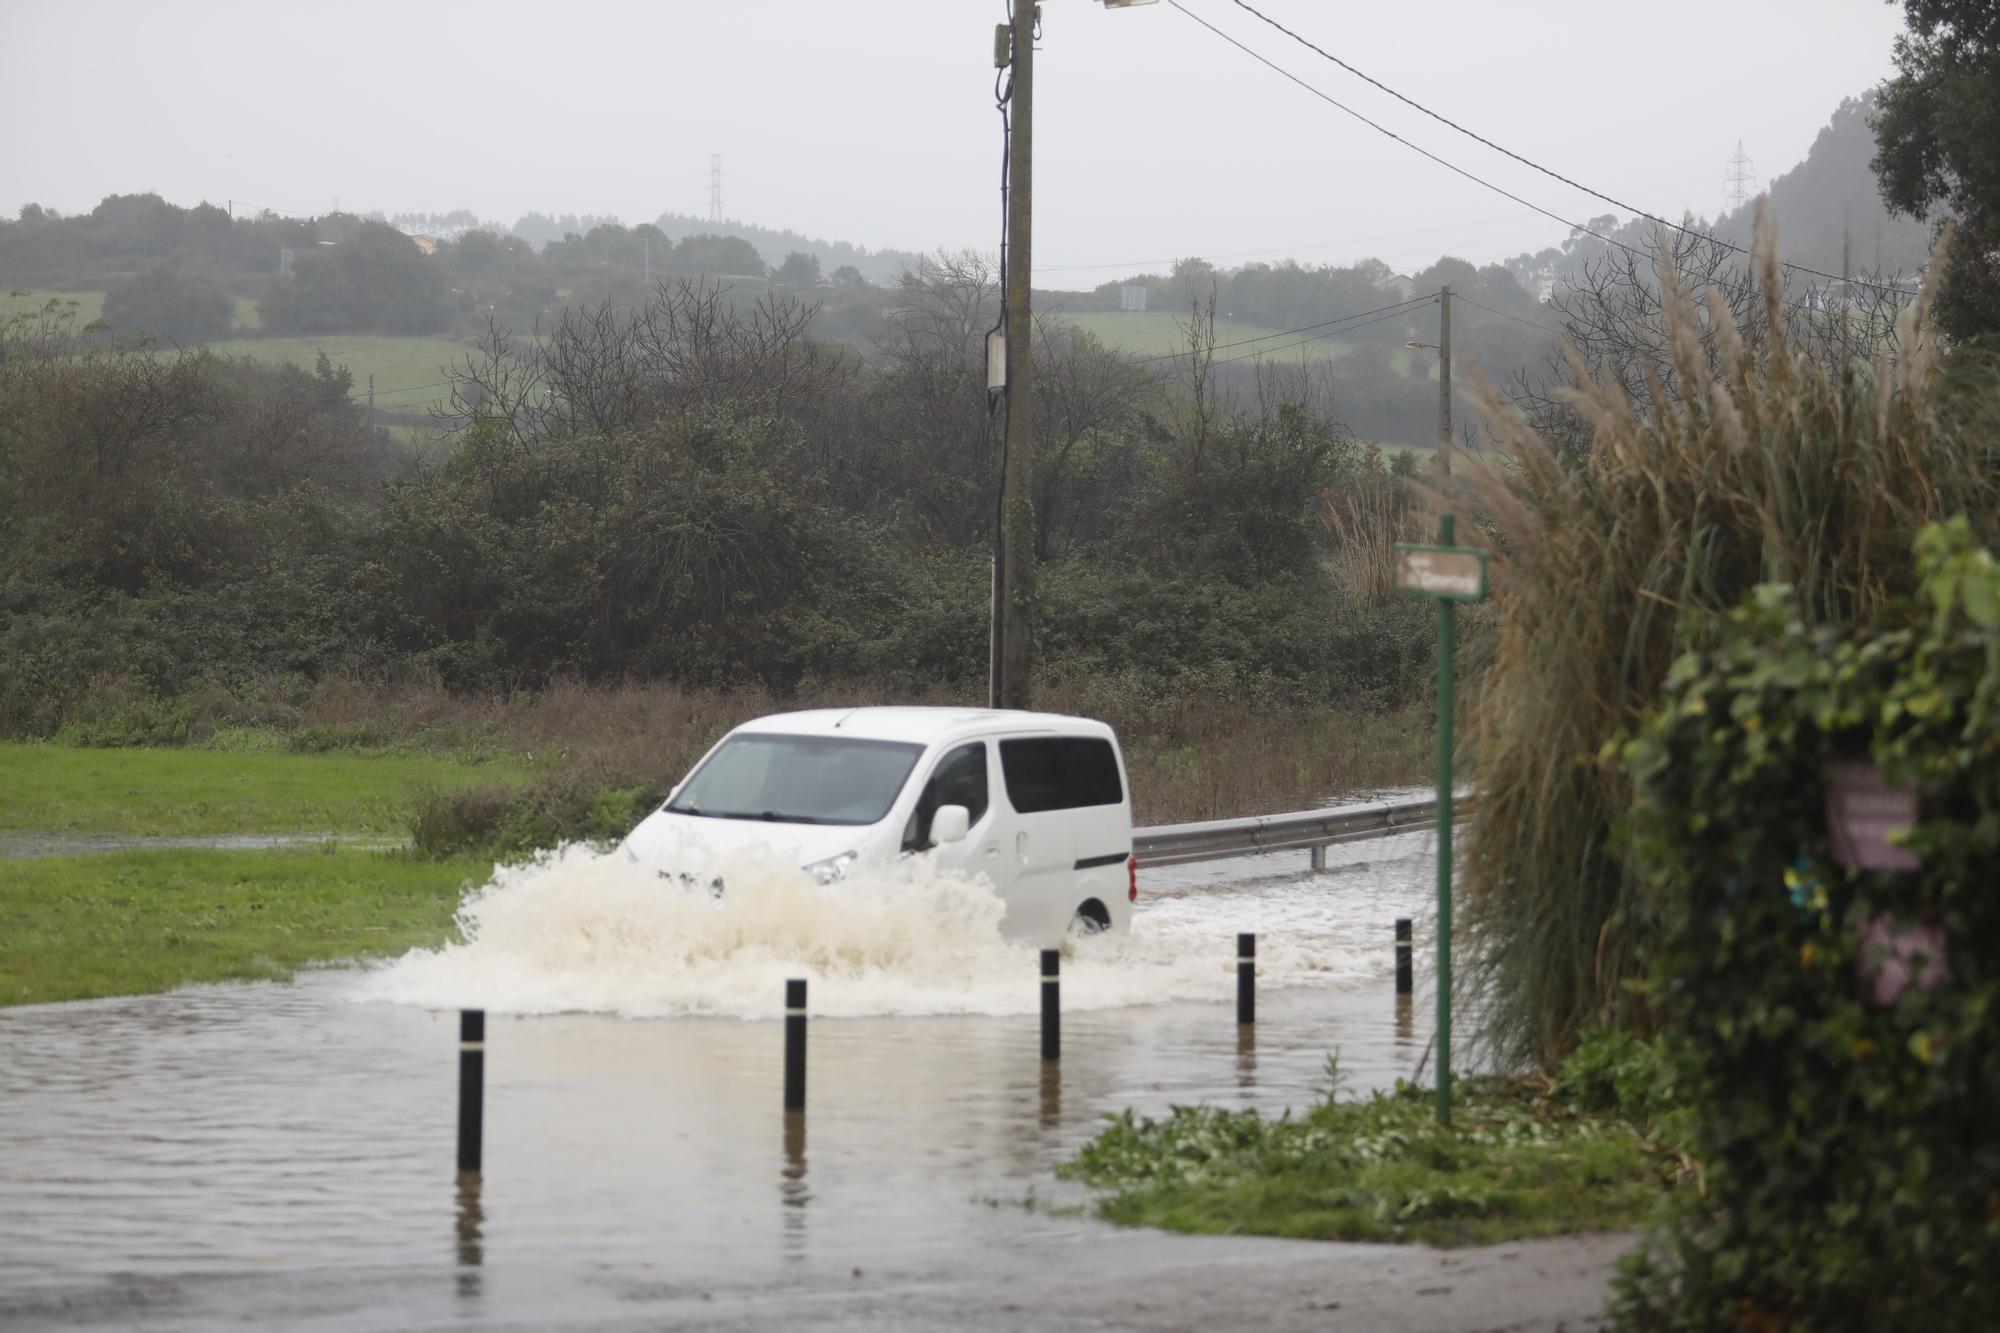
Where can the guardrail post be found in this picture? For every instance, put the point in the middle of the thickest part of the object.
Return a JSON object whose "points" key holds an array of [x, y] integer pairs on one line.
{"points": [[795, 1044], [1051, 1004], [1246, 979], [471, 1089], [1404, 946], [1319, 857]]}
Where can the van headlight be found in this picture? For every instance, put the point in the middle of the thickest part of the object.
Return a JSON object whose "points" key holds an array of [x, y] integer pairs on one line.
{"points": [[831, 869]]}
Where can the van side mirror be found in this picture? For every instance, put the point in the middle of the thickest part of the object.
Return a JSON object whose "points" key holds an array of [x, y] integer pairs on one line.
{"points": [[950, 824]]}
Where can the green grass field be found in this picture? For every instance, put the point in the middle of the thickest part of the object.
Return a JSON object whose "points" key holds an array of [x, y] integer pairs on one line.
{"points": [[191, 792], [1159, 332], [132, 923], [406, 370], [89, 305]]}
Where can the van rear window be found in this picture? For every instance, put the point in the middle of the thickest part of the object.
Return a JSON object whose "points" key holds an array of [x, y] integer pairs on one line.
{"points": [[1060, 773]]}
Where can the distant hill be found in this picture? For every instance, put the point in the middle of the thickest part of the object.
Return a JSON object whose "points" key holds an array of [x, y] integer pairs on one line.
{"points": [[881, 267], [1833, 194]]}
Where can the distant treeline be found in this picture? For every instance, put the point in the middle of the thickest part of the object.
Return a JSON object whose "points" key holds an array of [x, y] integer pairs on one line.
{"points": [[692, 490]]}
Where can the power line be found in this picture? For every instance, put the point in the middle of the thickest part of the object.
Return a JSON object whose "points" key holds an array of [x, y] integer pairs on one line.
{"points": [[1518, 319], [1283, 347], [1508, 152], [1286, 333], [1386, 313], [1385, 130], [408, 388]]}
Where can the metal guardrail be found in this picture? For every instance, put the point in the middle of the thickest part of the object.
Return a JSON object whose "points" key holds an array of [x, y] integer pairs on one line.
{"points": [[1179, 844]]}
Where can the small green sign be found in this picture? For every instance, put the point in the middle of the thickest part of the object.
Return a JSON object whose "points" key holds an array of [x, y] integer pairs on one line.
{"points": [[1450, 574], [1454, 572]]}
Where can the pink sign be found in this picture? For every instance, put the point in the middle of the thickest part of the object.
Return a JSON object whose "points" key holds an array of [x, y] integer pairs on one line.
{"points": [[1862, 811]]}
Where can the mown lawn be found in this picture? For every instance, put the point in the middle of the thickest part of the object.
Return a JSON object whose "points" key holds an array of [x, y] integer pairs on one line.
{"points": [[132, 923], [188, 792]]}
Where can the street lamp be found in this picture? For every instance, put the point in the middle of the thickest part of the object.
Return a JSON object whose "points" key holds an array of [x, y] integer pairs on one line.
{"points": [[1013, 574]]}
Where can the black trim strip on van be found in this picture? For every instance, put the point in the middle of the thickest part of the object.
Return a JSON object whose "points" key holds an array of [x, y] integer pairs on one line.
{"points": [[1115, 858]]}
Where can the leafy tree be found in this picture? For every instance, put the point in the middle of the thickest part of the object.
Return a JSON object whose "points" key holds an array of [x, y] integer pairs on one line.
{"points": [[1936, 125], [722, 256], [798, 270], [173, 307], [849, 276], [375, 281]]}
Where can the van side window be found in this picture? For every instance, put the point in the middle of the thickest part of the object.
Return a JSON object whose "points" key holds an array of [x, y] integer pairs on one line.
{"points": [[1060, 773], [959, 779]]}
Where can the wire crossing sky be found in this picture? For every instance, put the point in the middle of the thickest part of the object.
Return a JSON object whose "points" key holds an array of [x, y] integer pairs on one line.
{"points": [[1153, 139]]}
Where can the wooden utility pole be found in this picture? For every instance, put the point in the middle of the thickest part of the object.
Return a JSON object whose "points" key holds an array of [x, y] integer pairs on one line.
{"points": [[1015, 595], [1444, 379]]}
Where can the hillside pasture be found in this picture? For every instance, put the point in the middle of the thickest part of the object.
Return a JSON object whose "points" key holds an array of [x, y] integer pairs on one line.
{"points": [[1161, 333]]}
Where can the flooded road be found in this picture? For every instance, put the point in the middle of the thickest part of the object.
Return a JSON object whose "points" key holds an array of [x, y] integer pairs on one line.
{"points": [[180, 1160]]}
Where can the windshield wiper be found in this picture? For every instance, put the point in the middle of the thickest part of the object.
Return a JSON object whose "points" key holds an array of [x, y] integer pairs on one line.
{"points": [[764, 816]]}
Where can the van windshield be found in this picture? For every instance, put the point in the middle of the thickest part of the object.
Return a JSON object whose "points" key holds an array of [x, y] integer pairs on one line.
{"points": [[798, 779]]}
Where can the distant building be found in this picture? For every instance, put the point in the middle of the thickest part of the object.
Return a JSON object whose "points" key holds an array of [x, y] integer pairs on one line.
{"points": [[1395, 285], [427, 244], [1131, 298]]}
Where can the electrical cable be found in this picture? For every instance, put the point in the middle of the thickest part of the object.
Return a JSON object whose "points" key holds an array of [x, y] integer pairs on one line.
{"points": [[362, 396], [1526, 162], [1518, 319], [1306, 328], [1282, 347], [1735, 289]]}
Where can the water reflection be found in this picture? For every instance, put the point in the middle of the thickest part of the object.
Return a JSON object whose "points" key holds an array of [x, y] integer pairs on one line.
{"points": [[1406, 1019], [1246, 1057], [471, 1226], [1051, 1088], [793, 1193]]}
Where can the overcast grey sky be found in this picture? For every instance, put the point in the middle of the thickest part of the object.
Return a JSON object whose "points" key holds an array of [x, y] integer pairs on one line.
{"points": [[1153, 137]]}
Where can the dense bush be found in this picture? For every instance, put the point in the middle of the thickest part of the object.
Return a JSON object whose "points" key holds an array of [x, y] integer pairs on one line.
{"points": [[1837, 1030], [169, 306]]}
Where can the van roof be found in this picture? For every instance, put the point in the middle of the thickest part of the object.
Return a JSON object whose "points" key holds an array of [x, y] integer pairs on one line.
{"points": [[925, 726]]}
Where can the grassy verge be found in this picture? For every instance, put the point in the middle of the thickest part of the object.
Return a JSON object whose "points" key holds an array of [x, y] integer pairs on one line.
{"points": [[182, 792], [76, 927], [1519, 1161]]}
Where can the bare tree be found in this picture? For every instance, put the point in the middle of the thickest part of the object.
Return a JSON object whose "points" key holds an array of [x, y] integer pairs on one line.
{"points": [[1614, 312], [1087, 407]]}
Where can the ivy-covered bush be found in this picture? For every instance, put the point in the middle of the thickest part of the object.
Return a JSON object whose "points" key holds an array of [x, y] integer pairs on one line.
{"points": [[1835, 1030]]}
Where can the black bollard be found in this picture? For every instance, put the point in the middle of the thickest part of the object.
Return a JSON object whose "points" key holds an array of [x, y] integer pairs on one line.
{"points": [[471, 1089], [1051, 1004], [795, 1044], [1246, 978], [1403, 947]]}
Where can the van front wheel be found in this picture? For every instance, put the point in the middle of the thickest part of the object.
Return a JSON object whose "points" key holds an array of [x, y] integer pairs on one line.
{"points": [[1090, 919]]}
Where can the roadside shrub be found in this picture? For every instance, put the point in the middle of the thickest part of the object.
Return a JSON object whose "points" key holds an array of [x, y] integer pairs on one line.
{"points": [[1836, 1030], [114, 713], [570, 805]]}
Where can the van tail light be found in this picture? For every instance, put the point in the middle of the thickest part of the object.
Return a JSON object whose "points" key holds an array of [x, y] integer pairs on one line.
{"points": [[1132, 865]]}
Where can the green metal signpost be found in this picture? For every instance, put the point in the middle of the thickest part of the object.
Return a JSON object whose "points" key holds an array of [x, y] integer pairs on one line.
{"points": [[1450, 574]]}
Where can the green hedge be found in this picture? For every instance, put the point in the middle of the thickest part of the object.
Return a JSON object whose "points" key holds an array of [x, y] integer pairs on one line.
{"points": [[1846, 1100]]}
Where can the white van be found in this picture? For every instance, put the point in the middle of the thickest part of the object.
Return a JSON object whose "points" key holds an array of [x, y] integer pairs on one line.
{"points": [[1035, 802]]}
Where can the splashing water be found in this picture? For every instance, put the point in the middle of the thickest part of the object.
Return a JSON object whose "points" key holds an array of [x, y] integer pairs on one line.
{"points": [[579, 931]]}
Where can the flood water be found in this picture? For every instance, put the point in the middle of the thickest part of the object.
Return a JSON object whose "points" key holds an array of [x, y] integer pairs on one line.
{"points": [[634, 1131]]}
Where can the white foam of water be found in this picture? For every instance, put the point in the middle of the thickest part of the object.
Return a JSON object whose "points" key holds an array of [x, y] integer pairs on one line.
{"points": [[576, 931]]}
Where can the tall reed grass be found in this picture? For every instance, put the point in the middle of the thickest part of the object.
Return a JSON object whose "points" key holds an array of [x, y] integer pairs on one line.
{"points": [[1788, 467]]}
